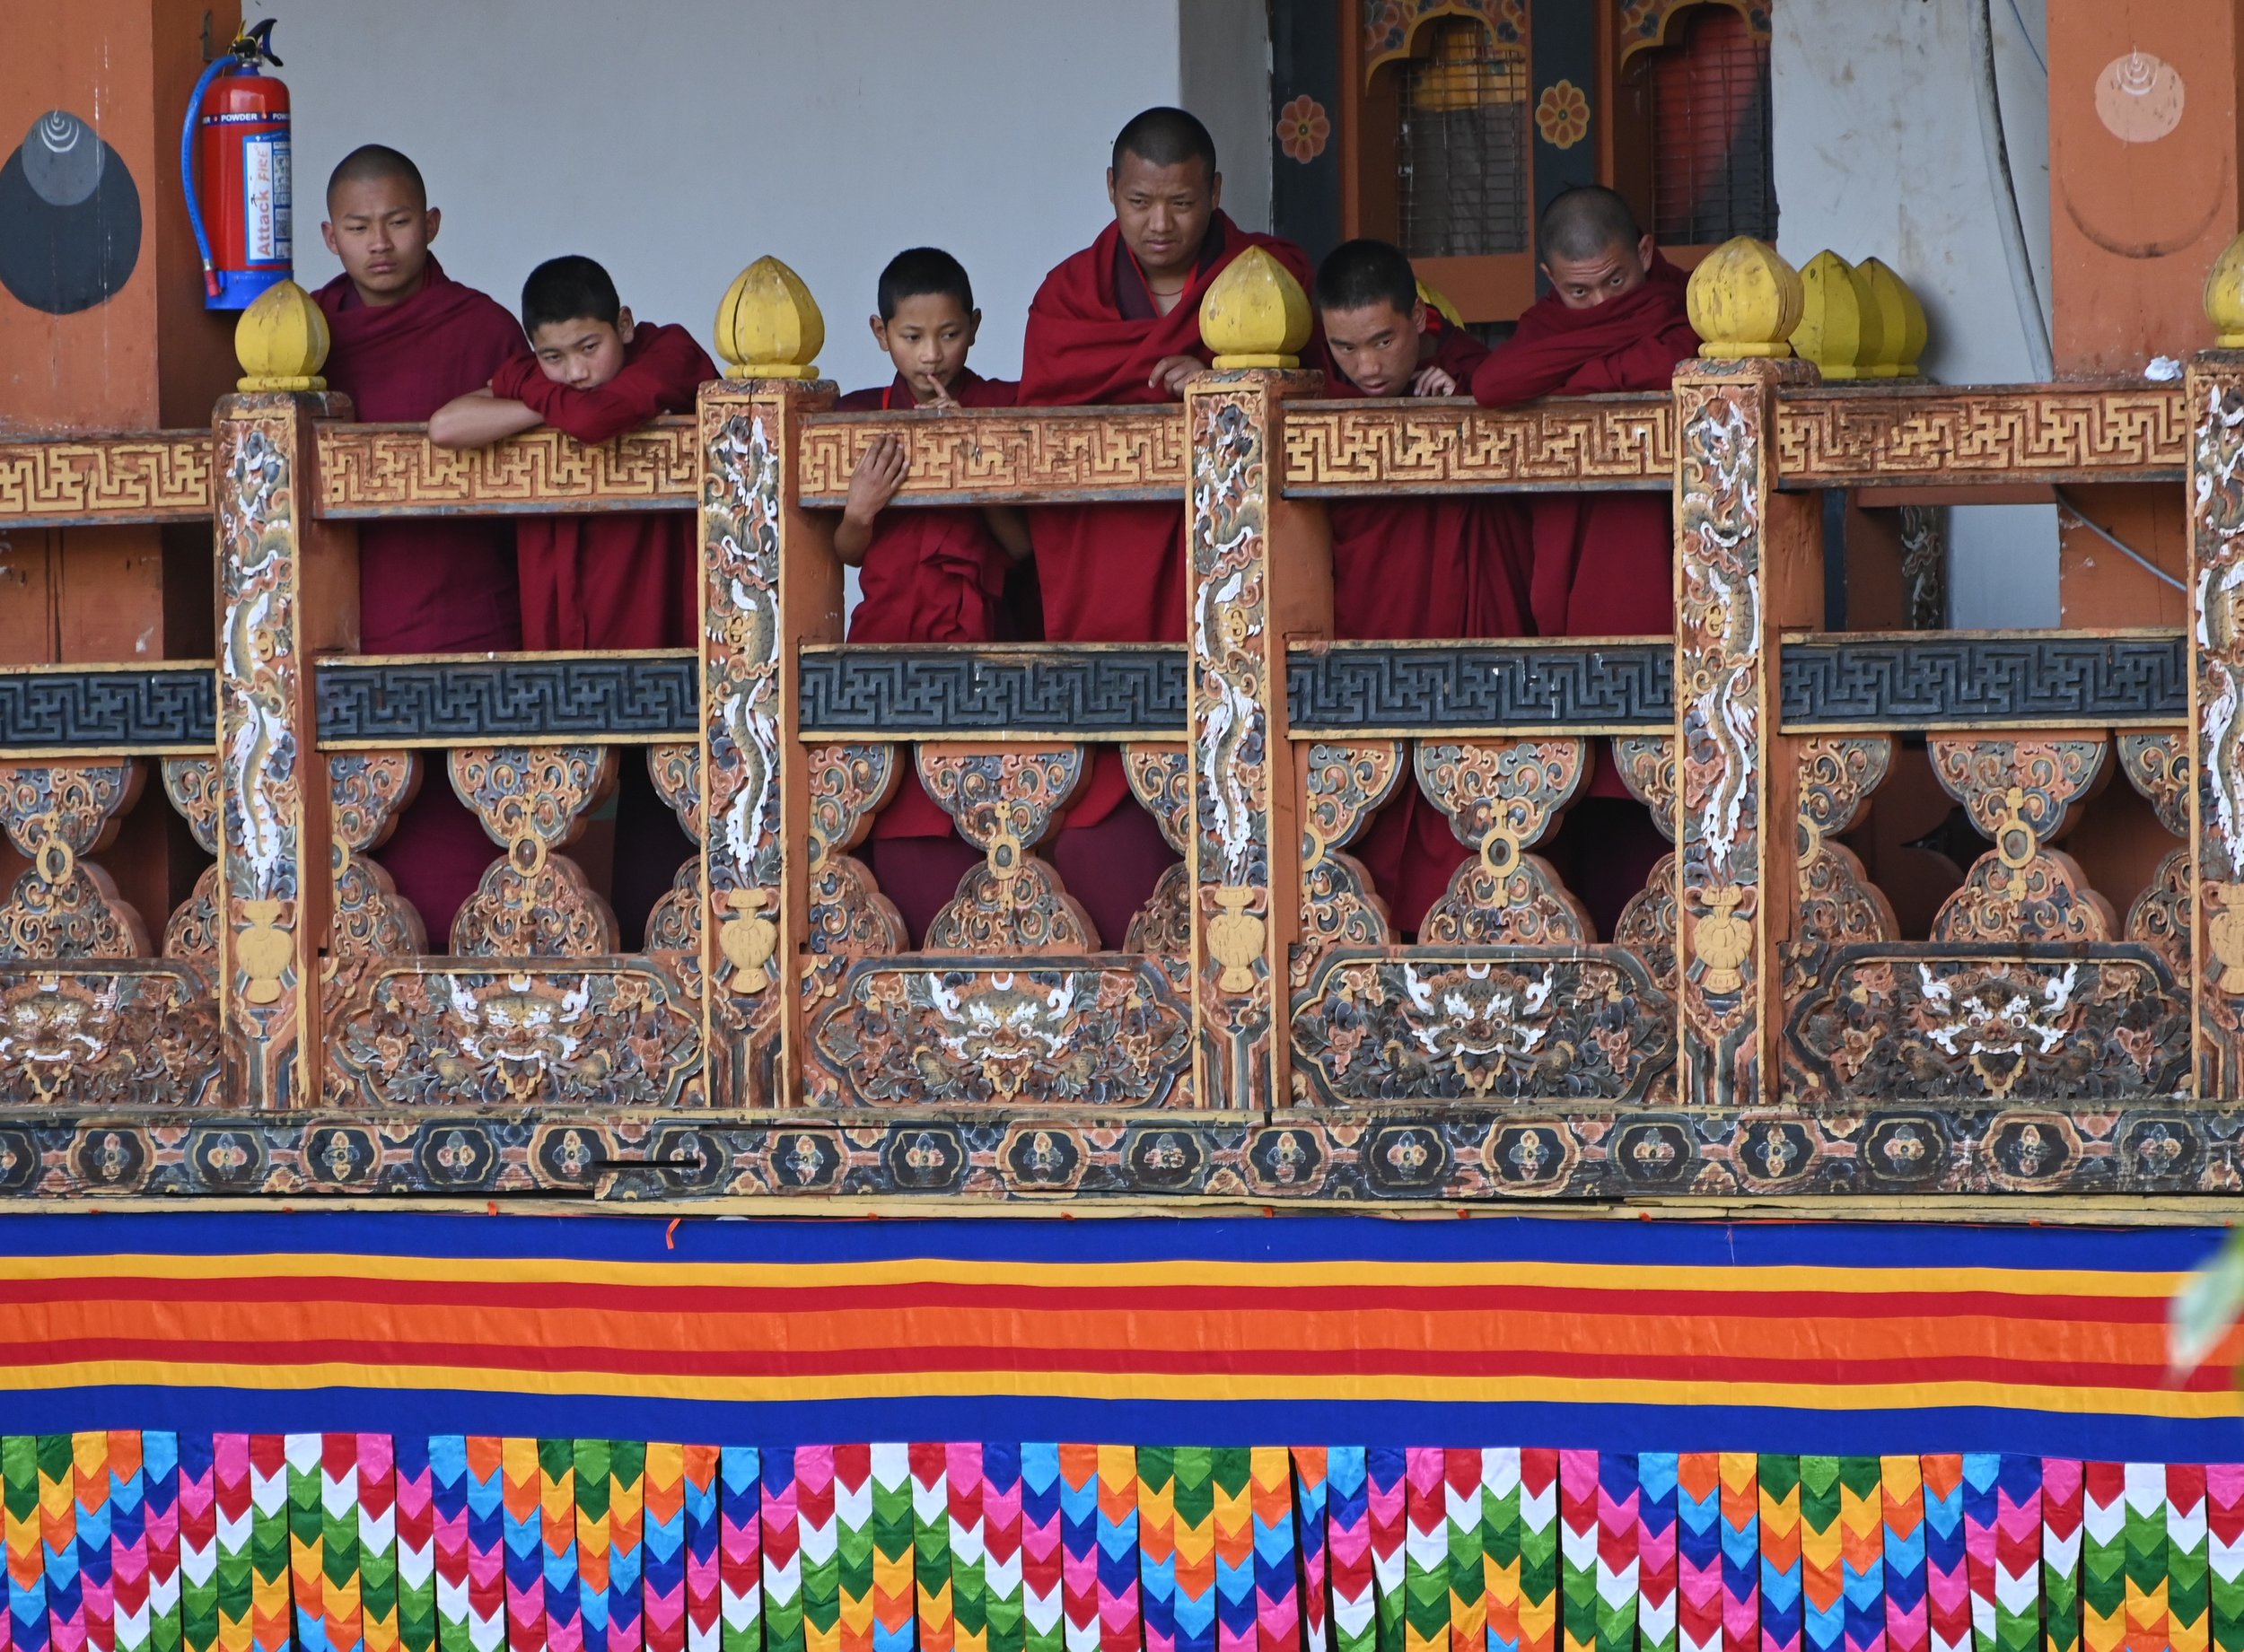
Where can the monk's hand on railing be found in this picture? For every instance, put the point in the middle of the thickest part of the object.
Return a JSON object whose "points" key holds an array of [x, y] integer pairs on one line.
{"points": [[1434, 382], [1170, 373], [875, 481]]}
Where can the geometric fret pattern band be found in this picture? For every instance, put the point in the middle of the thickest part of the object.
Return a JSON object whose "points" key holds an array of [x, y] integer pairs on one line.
{"points": [[1337, 691], [157, 1541]]}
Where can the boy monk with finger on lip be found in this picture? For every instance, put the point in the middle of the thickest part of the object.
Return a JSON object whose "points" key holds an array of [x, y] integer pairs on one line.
{"points": [[926, 574], [626, 580], [405, 339], [1121, 322], [1411, 569], [1614, 320]]}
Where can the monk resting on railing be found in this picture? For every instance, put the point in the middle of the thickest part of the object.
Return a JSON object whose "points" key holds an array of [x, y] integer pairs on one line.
{"points": [[1119, 322], [1404, 570], [406, 339], [624, 580], [1614, 320]]}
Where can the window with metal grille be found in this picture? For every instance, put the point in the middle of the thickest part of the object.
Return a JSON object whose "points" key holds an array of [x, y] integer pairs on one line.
{"points": [[1461, 147], [1707, 91]]}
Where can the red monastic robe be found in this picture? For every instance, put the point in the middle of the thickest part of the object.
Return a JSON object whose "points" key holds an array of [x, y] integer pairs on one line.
{"points": [[1604, 563], [931, 574], [1407, 570], [1115, 573], [625, 580], [629, 580], [430, 585]]}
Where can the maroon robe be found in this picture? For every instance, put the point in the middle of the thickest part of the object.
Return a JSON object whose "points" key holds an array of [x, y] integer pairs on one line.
{"points": [[932, 573], [1115, 573], [629, 578], [622, 580], [430, 585], [1409, 570], [1604, 563]]}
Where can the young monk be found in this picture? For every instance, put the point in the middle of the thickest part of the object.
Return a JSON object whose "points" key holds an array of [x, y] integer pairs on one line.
{"points": [[1121, 322], [1614, 320], [1411, 569], [620, 580], [928, 575], [405, 339]]}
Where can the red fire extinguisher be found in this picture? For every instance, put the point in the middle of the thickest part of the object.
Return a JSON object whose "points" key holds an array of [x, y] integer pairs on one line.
{"points": [[237, 119]]}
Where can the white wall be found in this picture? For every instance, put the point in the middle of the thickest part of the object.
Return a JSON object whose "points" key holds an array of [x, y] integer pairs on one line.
{"points": [[1223, 54], [1879, 152], [676, 140]]}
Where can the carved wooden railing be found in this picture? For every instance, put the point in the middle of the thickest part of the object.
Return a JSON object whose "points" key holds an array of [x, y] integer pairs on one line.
{"points": [[1756, 1024]]}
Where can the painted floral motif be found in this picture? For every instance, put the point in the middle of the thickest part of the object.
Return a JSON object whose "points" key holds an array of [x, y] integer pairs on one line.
{"points": [[1562, 114], [1303, 129]]}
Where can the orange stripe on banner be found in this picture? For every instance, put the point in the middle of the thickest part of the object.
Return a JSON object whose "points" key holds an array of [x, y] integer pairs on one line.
{"points": [[845, 1333], [2080, 1399], [2027, 1284]]}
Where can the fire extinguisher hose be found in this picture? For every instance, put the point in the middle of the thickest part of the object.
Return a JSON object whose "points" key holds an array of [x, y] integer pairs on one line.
{"points": [[218, 67]]}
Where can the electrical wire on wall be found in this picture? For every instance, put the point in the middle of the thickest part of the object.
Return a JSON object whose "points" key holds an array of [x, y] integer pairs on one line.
{"points": [[2071, 512], [2008, 222]]}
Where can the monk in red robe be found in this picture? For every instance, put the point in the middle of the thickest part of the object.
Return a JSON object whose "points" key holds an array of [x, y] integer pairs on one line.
{"points": [[626, 580], [1411, 569], [406, 339], [1614, 320], [931, 574], [1121, 322]]}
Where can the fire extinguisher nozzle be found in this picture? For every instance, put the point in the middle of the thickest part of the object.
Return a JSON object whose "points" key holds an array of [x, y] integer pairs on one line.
{"points": [[210, 281]]}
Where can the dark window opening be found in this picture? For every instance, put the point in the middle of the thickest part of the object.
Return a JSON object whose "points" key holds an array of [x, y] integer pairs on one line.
{"points": [[1707, 94], [1461, 148]]}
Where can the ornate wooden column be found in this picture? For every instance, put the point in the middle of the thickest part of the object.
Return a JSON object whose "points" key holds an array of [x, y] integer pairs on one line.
{"points": [[1261, 568], [1747, 563], [2213, 395], [769, 584], [287, 593]]}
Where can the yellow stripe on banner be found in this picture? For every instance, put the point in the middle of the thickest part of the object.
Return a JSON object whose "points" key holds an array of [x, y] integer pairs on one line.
{"points": [[1103, 1385], [2027, 1283]]}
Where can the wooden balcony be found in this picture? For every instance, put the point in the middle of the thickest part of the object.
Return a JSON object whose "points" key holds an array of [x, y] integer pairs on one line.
{"points": [[1758, 1024]]}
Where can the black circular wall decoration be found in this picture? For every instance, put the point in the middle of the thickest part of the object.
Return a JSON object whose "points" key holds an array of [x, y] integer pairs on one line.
{"points": [[69, 217]]}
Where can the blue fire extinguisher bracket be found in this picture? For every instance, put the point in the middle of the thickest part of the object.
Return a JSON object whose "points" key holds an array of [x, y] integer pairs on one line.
{"points": [[233, 289]]}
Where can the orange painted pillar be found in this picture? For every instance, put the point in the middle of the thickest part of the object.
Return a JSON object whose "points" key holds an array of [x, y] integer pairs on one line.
{"points": [[2144, 191], [102, 329]]}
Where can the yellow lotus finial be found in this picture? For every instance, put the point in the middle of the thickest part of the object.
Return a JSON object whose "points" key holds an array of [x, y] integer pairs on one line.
{"points": [[1745, 301], [768, 325], [281, 342], [1255, 313]]}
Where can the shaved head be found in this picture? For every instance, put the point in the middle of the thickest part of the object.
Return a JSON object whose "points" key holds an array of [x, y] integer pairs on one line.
{"points": [[1582, 222], [1164, 137], [1360, 273], [377, 164]]}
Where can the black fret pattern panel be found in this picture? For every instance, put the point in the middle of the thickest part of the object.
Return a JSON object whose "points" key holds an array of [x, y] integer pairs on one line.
{"points": [[619, 698], [1927, 680], [975, 694], [1347, 689], [164, 708]]}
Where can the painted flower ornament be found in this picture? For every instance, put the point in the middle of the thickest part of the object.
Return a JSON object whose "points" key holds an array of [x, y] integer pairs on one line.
{"points": [[1303, 129], [1562, 114]]}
